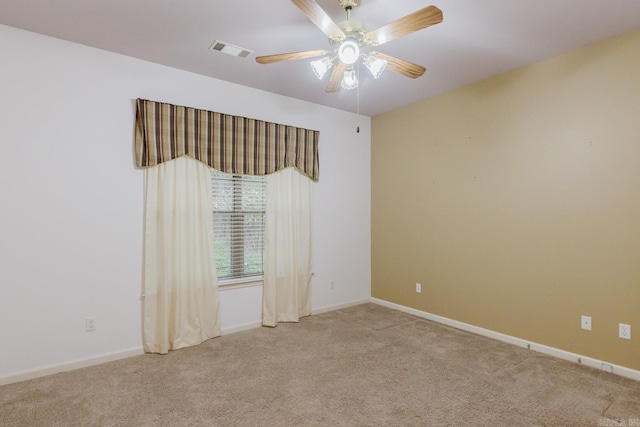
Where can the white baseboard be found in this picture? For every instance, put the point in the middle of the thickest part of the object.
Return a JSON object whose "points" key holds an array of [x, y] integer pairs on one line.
{"points": [[68, 366], [562, 354], [319, 310], [240, 328], [328, 308], [109, 357], [551, 351]]}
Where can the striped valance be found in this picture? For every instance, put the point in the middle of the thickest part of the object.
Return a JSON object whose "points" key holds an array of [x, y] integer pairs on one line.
{"points": [[231, 144]]}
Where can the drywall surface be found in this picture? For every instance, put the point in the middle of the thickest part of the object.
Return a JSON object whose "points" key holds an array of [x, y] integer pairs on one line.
{"points": [[71, 223], [515, 202]]}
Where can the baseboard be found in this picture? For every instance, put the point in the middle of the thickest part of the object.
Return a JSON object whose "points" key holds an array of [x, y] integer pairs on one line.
{"points": [[110, 357], [328, 308], [240, 328], [319, 310], [68, 366], [540, 348]]}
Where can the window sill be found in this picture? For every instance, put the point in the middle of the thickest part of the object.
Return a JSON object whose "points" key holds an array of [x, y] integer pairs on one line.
{"points": [[245, 282]]}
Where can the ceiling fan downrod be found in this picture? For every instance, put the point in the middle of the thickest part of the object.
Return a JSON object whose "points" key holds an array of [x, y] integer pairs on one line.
{"points": [[348, 6]]}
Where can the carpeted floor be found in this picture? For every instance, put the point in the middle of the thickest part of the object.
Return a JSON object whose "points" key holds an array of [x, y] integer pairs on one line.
{"points": [[362, 366]]}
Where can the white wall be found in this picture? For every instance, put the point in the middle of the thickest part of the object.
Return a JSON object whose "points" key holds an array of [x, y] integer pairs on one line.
{"points": [[71, 213]]}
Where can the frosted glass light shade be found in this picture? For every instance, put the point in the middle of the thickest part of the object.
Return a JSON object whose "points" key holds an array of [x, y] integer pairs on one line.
{"points": [[349, 80], [375, 65], [321, 66], [349, 51]]}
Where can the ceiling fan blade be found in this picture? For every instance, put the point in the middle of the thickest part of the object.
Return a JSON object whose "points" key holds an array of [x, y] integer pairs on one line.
{"points": [[336, 78], [411, 23], [320, 18], [401, 66], [270, 59]]}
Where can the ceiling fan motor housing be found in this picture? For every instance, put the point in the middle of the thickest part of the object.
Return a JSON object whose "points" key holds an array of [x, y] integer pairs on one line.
{"points": [[348, 4], [353, 30]]}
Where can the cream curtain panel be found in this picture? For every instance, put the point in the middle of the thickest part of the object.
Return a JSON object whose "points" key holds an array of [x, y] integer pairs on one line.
{"points": [[286, 291], [181, 293], [230, 144], [180, 283]]}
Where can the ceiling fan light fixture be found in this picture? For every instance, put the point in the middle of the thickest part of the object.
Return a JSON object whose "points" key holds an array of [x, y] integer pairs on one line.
{"points": [[375, 65], [321, 66], [349, 80], [349, 51]]}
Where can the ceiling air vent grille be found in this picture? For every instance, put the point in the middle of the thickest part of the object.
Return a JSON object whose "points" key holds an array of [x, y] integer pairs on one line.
{"points": [[230, 49]]}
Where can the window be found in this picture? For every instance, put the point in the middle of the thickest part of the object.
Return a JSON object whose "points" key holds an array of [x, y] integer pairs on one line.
{"points": [[238, 224]]}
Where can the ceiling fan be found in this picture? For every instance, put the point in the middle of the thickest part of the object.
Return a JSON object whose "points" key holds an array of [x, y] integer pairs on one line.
{"points": [[349, 38]]}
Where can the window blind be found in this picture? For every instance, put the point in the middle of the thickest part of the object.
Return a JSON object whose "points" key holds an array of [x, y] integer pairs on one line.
{"points": [[238, 224]]}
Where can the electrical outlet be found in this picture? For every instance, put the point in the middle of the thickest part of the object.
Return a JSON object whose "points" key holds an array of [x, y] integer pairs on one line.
{"points": [[90, 324], [624, 331], [418, 288], [331, 284], [586, 323]]}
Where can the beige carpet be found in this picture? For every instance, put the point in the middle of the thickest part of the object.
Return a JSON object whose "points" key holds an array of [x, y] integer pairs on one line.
{"points": [[362, 366]]}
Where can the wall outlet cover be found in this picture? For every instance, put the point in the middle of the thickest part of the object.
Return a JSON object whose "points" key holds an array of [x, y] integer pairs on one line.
{"points": [[624, 331], [90, 324], [585, 323]]}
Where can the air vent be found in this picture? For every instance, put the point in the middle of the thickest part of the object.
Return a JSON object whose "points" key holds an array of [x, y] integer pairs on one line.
{"points": [[230, 49]]}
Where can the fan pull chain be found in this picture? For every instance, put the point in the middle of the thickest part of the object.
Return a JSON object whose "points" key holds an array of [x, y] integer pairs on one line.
{"points": [[358, 96]]}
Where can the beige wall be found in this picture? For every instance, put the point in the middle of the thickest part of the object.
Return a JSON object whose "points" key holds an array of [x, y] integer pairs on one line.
{"points": [[516, 202]]}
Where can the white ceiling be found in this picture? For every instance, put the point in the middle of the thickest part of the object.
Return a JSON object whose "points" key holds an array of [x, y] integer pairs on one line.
{"points": [[477, 39]]}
